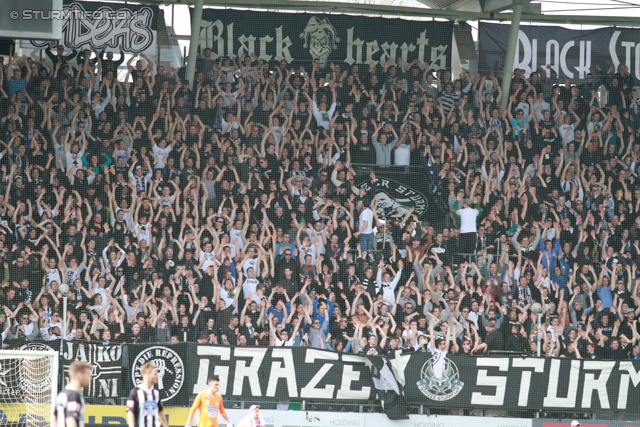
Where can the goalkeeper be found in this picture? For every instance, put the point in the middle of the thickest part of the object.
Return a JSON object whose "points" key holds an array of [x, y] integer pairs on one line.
{"points": [[210, 404]]}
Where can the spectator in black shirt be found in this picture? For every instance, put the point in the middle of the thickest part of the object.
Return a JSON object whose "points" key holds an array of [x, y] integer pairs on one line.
{"points": [[60, 57]]}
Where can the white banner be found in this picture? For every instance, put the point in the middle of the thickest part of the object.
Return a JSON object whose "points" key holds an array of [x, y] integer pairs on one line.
{"points": [[358, 419], [91, 24]]}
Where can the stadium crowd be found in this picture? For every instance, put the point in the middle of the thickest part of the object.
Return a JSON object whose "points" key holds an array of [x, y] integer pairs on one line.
{"points": [[225, 210]]}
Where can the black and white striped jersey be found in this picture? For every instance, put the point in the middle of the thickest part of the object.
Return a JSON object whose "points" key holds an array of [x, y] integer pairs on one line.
{"points": [[69, 404], [146, 406]]}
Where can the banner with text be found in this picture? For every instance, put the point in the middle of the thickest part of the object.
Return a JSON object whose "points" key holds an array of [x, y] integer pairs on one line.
{"points": [[91, 24], [570, 53], [291, 373], [116, 415], [175, 365], [397, 191], [303, 37], [522, 383], [106, 366], [301, 373]]}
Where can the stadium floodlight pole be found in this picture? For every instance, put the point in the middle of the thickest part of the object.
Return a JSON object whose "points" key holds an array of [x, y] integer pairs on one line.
{"points": [[64, 290], [195, 39], [511, 52], [384, 234], [537, 309], [539, 332]]}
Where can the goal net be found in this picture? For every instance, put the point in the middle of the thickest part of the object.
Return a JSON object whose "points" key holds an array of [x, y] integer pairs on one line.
{"points": [[28, 387]]}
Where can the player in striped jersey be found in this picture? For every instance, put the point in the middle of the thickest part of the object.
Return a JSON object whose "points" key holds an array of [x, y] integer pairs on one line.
{"points": [[69, 407], [144, 406]]}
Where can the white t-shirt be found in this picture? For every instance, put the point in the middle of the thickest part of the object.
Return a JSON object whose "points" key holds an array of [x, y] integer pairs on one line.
{"points": [[209, 261], [53, 274], [249, 286], [74, 159], [468, 220], [473, 317], [227, 297], [144, 232], [309, 250], [161, 153], [280, 343], [251, 262], [524, 107], [563, 129], [438, 360], [408, 335], [235, 236], [403, 155], [366, 215]]}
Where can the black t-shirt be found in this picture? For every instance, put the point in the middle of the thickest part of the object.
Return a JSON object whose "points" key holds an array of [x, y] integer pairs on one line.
{"points": [[441, 250], [372, 351], [607, 330], [70, 404]]}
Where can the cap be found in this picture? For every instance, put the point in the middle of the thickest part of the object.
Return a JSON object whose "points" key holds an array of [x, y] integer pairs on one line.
{"points": [[575, 423], [138, 167], [2, 313], [468, 202], [252, 407], [165, 202], [630, 310]]}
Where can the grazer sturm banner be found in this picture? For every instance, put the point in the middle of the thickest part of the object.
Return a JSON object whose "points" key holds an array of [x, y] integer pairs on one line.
{"points": [[282, 373], [304, 37], [570, 53], [289, 373], [397, 191], [91, 24], [523, 383]]}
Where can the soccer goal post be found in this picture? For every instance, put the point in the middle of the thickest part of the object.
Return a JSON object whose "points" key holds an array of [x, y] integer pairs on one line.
{"points": [[28, 387]]}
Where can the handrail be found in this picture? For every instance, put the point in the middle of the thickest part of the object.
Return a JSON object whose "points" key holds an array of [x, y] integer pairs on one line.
{"points": [[392, 167]]}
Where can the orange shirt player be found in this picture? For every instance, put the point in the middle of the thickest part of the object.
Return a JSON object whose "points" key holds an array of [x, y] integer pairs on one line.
{"points": [[210, 404]]}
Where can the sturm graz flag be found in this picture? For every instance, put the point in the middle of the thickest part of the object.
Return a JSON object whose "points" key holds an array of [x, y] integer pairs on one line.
{"points": [[106, 366], [388, 388], [395, 199]]}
